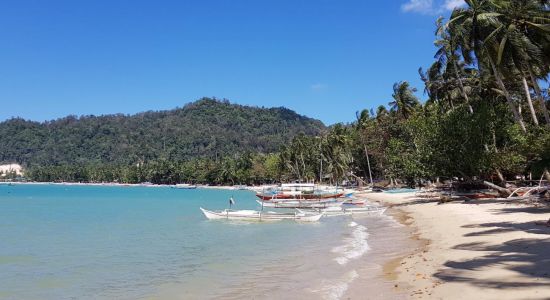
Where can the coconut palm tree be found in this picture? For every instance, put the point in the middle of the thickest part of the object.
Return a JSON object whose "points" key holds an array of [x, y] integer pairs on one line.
{"points": [[404, 100], [520, 22], [474, 29], [363, 119], [448, 59]]}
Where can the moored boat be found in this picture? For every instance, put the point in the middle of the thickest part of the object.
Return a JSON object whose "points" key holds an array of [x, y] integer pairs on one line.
{"points": [[254, 215], [367, 209], [314, 196], [301, 203], [299, 191], [185, 186]]}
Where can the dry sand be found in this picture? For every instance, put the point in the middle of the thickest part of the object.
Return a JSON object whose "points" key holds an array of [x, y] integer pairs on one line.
{"points": [[471, 250]]}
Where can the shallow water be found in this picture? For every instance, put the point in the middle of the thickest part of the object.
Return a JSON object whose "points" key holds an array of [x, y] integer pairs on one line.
{"points": [[89, 242]]}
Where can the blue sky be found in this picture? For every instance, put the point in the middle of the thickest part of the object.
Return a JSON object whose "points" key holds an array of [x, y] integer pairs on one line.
{"points": [[322, 58]]}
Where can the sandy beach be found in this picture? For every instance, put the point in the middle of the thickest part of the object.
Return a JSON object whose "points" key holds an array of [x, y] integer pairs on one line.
{"points": [[468, 250]]}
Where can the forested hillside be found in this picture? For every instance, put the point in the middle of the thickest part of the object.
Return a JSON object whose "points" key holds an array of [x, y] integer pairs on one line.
{"points": [[207, 128]]}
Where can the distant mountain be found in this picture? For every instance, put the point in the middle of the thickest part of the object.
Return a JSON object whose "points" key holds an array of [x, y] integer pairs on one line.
{"points": [[205, 128]]}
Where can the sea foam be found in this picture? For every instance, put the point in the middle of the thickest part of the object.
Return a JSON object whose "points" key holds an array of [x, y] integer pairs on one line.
{"points": [[354, 246], [336, 290]]}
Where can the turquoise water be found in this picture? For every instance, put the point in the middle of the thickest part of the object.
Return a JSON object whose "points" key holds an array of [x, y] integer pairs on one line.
{"points": [[89, 242], [400, 190]]}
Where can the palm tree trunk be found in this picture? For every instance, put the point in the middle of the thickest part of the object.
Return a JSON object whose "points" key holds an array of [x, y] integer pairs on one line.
{"points": [[538, 92], [529, 101], [462, 87], [513, 108], [367, 156]]}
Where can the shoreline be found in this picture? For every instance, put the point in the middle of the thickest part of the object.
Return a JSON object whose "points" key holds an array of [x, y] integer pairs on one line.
{"points": [[114, 184], [466, 250]]}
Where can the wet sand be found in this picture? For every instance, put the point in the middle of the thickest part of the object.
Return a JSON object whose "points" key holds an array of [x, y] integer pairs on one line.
{"points": [[389, 243]]}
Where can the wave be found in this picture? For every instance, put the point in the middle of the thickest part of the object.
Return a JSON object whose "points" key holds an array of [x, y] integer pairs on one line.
{"points": [[336, 290], [354, 246]]}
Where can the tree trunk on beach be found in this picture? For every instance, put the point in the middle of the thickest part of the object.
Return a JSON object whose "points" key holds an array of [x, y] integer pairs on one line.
{"points": [[503, 191]]}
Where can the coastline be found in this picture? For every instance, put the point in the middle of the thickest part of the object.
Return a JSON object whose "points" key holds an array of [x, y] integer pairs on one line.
{"points": [[115, 184], [470, 249]]}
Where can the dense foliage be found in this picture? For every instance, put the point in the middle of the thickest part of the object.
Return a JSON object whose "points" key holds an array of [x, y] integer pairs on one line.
{"points": [[204, 129]]}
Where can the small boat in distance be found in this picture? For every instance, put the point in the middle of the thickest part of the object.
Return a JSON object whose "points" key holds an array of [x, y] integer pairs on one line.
{"points": [[254, 215], [185, 186]]}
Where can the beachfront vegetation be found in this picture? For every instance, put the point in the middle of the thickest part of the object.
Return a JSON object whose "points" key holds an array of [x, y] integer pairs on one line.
{"points": [[486, 117]]}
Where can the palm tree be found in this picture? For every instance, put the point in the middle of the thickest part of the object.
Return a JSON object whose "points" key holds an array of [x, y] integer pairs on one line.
{"points": [[404, 100], [474, 29], [381, 112], [362, 121], [447, 57], [520, 21]]}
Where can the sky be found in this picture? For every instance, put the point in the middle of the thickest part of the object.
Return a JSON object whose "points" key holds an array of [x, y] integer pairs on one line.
{"points": [[325, 59]]}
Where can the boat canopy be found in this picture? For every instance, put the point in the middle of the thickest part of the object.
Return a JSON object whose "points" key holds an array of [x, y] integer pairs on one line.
{"points": [[298, 186]]}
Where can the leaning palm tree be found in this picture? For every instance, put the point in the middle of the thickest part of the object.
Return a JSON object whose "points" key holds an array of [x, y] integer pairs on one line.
{"points": [[448, 59], [363, 119], [404, 101], [521, 23], [474, 29]]}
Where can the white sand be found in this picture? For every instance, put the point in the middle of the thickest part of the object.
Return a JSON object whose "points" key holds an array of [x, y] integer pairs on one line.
{"points": [[11, 168], [482, 250]]}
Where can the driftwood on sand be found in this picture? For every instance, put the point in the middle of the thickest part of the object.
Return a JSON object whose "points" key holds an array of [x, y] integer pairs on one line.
{"points": [[502, 191]]}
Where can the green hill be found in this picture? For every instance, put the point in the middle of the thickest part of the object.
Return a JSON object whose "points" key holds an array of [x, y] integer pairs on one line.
{"points": [[205, 128]]}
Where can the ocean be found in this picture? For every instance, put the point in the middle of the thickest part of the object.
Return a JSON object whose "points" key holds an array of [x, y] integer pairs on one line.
{"points": [[105, 242]]}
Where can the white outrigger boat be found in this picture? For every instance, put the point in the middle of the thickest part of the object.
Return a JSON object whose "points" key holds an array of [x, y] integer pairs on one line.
{"points": [[367, 209], [342, 211], [254, 215], [301, 204], [185, 186]]}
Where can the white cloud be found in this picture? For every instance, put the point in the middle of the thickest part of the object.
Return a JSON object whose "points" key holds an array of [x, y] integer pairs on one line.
{"points": [[419, 6], [429, 7], [452, 4]]}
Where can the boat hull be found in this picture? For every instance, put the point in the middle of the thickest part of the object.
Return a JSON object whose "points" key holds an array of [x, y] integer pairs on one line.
{"points": [[290, 197], [259, 216], [300, 204]]}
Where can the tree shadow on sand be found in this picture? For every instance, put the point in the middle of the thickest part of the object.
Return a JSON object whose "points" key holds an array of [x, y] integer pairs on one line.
{"points": [[529, 257], [503, 227], [523, 209]]}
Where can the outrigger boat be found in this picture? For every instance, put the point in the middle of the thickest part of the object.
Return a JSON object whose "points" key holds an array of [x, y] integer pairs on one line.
{"points": [[313, 196], [340, 211], [301, 204], [298, 191], [368, 209], [185, 186], [254, 215]]}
